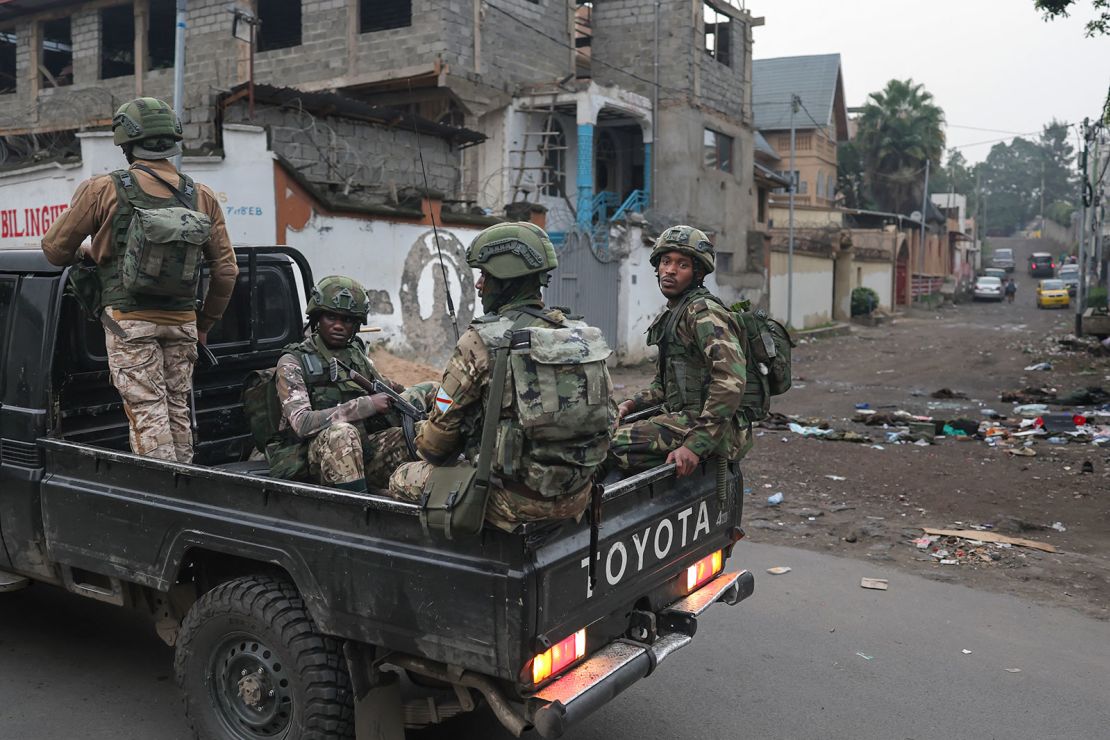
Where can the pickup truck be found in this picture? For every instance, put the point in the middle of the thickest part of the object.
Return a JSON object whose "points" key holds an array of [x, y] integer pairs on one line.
{"points": [[299, 611]]}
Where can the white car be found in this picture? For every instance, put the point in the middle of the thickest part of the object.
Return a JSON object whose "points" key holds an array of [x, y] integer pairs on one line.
{"points": [[988, 289]]}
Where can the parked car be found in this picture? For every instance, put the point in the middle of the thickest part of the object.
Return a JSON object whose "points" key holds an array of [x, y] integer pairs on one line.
{"points": [[1070, 275], [1052, 293], [997, 272], [987, 288], [1042, 264], [1003, 258]]}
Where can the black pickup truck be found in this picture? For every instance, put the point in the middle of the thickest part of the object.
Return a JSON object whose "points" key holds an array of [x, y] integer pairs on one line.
{"points": [[299, 611]]}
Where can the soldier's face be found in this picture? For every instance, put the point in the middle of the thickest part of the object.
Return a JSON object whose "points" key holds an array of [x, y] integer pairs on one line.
{"points": [[676, 272], [336, 330]]}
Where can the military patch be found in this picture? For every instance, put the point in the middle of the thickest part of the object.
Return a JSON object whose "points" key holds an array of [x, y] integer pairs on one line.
{"points": [[443, 401]]}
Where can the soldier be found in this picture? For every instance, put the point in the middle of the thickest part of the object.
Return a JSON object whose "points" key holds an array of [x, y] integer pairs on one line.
{"points": [[148, 306], [554, 434], [332, 431], [701, 368]]}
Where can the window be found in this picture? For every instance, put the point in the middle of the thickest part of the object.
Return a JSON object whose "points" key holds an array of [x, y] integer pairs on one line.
{"points": [[718, 150], [820, 184], [7, 62], [802, 187], [554, 159], [117, 41], [718, 29], [382, 15], [280, 24], [724, 262], [57, 53], [160, 34]]}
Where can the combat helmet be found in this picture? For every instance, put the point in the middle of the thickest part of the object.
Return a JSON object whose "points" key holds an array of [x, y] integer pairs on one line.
{"points": [[689, 241], [150, 122], [512, 250], [338, 294]]}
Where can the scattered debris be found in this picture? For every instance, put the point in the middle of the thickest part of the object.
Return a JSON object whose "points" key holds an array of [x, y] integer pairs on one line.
{"points": [[965, 651], [948, 393], [1013, 670], [866, 657], [1022, 451], [1039, 366], [977, 536], [775, 499], [779, 570], [1058, 526], [836, 477], [877, 584], [1088, 466]]}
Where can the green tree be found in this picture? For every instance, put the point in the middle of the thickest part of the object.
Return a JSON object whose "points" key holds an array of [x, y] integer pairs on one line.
{"points": [[900, 128], [850, 182], [1097, 26], [1058, 156], [956, 176]]}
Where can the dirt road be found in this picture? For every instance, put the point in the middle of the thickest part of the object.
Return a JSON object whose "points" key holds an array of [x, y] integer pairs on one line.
{"points": [[880, 498]]}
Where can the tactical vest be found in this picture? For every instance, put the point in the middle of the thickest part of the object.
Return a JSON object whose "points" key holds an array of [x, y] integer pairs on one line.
{"points": [[288, 457], [555, 410], [130, 196], [684, 367]]}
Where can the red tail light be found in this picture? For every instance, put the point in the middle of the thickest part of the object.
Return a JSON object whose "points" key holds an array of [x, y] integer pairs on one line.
{"points": [[703, 570], [559, 656], [1053, 265]]}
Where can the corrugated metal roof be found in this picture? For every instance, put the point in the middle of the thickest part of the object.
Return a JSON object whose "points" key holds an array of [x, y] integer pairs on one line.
{"points": [[814, 79], [762, 145]]}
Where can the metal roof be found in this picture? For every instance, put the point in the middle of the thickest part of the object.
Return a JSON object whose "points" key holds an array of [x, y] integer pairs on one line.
{"points": [[762, 146], [816, 79]]}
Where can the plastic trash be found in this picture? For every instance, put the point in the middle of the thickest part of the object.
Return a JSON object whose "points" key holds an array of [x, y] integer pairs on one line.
{"points": [[1040, 366], [1059, 527], [1031, 409], [775, 499], [808, 431], [1057, 440], [862, 406]]}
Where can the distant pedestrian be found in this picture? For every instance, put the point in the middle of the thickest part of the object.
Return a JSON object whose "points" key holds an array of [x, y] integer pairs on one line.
{"points": [[1010, 290]]}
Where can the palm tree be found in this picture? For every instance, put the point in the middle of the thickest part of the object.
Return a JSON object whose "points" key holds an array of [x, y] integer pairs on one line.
{"points": [[899, 129]]}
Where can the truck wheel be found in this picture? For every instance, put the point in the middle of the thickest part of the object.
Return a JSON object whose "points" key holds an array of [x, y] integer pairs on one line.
{"points": [[252, 666]]}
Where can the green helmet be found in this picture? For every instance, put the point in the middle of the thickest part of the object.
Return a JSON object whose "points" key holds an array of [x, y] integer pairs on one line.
{"points": [[341, 295], [512, 250], [688, 240], [150, 125]]}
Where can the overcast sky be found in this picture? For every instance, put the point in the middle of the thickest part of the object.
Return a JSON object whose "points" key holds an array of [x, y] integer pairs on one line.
{"points": [[990, 64]]}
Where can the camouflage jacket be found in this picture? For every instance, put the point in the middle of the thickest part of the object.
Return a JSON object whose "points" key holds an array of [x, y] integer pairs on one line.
{"points": [[701, 374], [543, 452]]}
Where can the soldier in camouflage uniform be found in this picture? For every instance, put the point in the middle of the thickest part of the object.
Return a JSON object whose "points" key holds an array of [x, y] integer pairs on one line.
{"points": [[701, 368], [333, 432], [151, 339], [542, 467]]}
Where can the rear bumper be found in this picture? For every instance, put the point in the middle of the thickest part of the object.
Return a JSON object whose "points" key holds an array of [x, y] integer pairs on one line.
{"points": [[589, 686]]}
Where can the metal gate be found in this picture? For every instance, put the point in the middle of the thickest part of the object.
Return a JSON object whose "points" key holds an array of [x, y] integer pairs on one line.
{"points": [[586, 285]]}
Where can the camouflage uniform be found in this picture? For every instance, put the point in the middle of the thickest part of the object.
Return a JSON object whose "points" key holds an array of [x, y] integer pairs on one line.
{"points": [[333, 427], [699, 381], [541, 469]]}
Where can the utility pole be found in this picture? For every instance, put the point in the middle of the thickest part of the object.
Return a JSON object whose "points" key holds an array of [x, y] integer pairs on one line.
{"points": [[795, 103], [924, 216], [978, 207], [1042, 196], [179, 68], [1081, 291]]}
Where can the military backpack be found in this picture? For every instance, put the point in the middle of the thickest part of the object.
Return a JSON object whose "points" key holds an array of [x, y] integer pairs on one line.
{"points": [[160, 243]]}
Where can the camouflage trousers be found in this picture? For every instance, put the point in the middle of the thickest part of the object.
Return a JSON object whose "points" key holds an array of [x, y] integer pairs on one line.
{"points": [[504, 509], [344, 453], [153, 371], [646, 443]]}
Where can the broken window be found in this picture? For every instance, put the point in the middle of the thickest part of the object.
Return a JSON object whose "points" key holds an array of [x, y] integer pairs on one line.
{"points": [[7, 62], [279, 24], [161, 34], [57, 53], [117, 41], [718, 30], [718, 150], [382, 15], [554, 159]]}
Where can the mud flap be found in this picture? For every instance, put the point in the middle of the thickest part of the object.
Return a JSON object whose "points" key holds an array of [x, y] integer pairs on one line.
{"points": [[379, 714]]}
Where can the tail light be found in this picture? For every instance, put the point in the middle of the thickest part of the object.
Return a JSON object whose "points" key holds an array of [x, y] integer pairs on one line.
{"points": [[1053, 265], [703, 570], [558, 656]]}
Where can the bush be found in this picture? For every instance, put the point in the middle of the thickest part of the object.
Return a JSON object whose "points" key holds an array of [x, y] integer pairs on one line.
{"points": [[1096, 297], [864, 301]]}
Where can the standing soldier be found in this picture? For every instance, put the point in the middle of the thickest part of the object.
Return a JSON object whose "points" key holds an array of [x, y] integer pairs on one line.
{"points": [[152, 229], [555, 414], [332, 431], [701, 368]]}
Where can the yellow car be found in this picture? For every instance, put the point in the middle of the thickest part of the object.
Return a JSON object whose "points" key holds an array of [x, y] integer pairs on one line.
{"points": [[1052, 293]]}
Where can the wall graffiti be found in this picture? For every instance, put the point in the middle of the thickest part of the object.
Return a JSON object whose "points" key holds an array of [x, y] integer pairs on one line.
{"points": [[427, 325]]}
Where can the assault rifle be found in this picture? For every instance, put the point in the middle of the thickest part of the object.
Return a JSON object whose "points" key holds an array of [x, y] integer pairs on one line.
{"points": [[409, 414]]}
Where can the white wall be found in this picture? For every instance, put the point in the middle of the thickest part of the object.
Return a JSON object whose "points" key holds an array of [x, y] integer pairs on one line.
{"points": [[812, 293], [879, 277], [243, 182]]}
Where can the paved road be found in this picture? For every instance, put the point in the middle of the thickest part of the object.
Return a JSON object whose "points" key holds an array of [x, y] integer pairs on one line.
{"points": [[787, 664]]}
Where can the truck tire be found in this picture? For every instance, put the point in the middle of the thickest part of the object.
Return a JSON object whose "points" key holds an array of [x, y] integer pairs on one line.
{"points": [[252, 666]]}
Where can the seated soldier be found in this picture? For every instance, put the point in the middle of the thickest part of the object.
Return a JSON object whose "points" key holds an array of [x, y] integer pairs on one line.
{"points": [[331, 431]]}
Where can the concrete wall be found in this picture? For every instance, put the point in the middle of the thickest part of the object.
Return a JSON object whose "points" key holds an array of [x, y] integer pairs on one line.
{"points": [[812, 293], [878, 276]]}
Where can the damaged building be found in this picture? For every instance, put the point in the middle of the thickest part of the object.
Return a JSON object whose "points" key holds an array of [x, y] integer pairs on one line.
{"points": [[605, 122]]}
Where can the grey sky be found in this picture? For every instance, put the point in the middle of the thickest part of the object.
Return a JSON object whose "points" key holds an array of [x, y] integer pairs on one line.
{"points": [[990, 64]]}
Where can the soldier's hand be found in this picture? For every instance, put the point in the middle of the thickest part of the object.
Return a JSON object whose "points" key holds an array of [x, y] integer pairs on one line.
{"points": [[380, 402], [684, 461], [625, 408]]}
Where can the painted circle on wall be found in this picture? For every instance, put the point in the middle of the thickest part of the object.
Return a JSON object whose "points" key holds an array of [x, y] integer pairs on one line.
{"points": [[427, 324]]}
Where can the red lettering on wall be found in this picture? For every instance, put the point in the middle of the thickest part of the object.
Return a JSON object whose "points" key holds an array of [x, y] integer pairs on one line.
{"points": [[31, 222]]}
